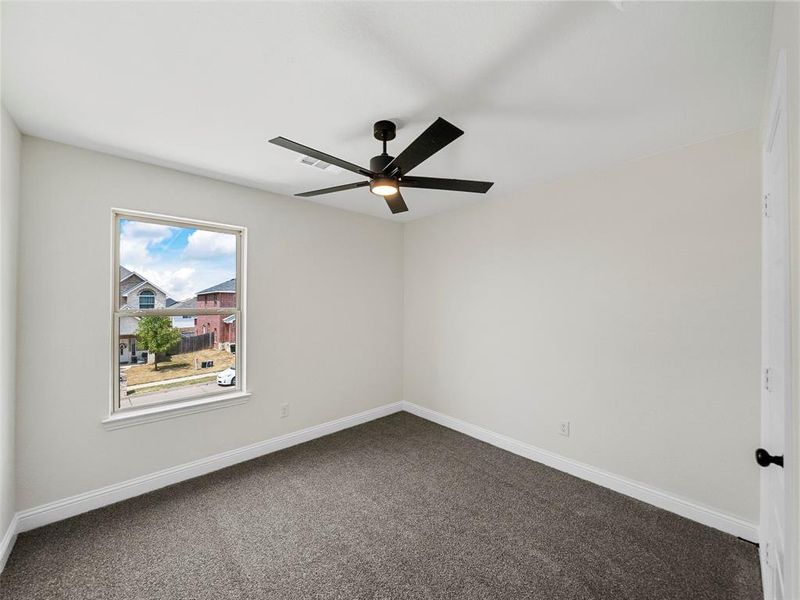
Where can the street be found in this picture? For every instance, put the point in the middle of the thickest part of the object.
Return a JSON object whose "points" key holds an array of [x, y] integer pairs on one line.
{"points": [[188, 391]]}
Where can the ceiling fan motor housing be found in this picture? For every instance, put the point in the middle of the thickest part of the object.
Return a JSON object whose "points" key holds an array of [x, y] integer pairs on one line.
{"points": [[378, 163]]}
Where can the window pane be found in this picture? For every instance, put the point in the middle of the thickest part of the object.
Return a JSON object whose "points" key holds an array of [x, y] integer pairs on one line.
{"points": [[168, 266], [147, 299], [169, 359]]}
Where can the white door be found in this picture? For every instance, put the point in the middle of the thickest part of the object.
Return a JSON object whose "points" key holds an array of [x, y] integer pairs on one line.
{"points": [[775, 344]]}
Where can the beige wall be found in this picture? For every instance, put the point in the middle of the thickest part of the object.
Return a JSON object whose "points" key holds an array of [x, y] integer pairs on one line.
{"points": [[324, 318], [624, 301], [9, 206], [786, 37]]}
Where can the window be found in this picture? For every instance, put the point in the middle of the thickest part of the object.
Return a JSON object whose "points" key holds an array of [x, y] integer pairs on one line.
{"points": [[178, 314], [147, 299]]}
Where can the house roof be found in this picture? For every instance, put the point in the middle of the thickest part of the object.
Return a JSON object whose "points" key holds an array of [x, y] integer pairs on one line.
{"points": [[130, 282], [170, 302], [128, 279], [226, 286], [190, 303], [125, 273]]}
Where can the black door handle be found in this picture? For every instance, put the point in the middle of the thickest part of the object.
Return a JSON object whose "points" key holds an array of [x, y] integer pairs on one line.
{"points": [[765, 459]]}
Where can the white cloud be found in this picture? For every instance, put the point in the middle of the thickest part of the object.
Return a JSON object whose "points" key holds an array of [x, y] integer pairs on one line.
{"points": [[209, 245], [179, 283], [154, 251], [132, 252], [136, 238], [152, 232]]}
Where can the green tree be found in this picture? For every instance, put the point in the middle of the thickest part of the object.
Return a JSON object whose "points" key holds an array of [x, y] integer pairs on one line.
{"points": [[156, 335]]}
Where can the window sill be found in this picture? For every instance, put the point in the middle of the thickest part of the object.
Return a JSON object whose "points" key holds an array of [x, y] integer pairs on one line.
{"points": [[129, 418]]}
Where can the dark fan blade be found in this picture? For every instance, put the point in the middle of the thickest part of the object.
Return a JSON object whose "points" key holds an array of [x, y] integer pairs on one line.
{"points": [[338, 188], [396, 203], [456, 185], [294, 146], [430, 141]]}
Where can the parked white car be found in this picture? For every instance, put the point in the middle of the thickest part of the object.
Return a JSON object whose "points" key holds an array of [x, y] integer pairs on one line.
{"points": [[227, 377]]}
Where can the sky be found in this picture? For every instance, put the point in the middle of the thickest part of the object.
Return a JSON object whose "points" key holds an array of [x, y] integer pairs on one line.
{"points": [[179, 260]]}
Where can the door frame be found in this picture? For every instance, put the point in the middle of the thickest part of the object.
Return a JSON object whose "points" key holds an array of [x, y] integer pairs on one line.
{"points": [[779, 99]]}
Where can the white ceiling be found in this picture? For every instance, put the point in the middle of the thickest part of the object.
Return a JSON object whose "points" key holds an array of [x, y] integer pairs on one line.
{"points": [[541, 89]]}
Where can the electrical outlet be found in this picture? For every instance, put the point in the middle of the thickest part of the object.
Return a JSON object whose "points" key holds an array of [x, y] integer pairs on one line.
{"points": [[563, 428], [284, 411]]}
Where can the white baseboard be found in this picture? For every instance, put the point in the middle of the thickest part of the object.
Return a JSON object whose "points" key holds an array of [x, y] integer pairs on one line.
{"points": [[81, 503], [7, 543], [661, 499]]}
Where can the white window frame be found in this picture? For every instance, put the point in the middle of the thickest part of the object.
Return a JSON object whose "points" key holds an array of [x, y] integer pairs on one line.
{"points": [[125, 417]]}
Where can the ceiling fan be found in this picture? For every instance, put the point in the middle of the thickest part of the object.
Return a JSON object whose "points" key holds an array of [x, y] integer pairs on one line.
{"points": [[387, 174]]}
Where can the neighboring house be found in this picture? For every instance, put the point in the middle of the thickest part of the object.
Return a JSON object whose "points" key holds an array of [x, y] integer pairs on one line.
{"points": [[222, 295], [186, 322], [127, 340], [136, 292]]}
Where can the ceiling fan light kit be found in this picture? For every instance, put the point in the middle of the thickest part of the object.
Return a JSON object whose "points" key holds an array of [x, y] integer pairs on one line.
{"points": [[383, 186], [387, 174]]}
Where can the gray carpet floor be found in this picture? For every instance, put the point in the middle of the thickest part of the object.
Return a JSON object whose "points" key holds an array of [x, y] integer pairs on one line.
{"points": [[396, 508]]}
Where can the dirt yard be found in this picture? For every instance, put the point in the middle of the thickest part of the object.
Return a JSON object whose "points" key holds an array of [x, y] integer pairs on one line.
{"points": [[180, 365]]}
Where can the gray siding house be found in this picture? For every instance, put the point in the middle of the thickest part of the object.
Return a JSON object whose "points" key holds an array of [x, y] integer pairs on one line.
{"points": [[136, 292]]}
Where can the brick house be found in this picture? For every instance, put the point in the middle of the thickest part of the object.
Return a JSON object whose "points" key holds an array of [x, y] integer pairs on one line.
{"points": [[136, 292], [222, 295]]}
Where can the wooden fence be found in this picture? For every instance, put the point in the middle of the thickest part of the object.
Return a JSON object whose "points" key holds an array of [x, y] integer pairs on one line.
{"points": [[193, 343]]}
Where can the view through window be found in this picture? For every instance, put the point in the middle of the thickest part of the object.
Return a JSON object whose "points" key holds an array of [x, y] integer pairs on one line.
{"points": [[178, 310]]}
